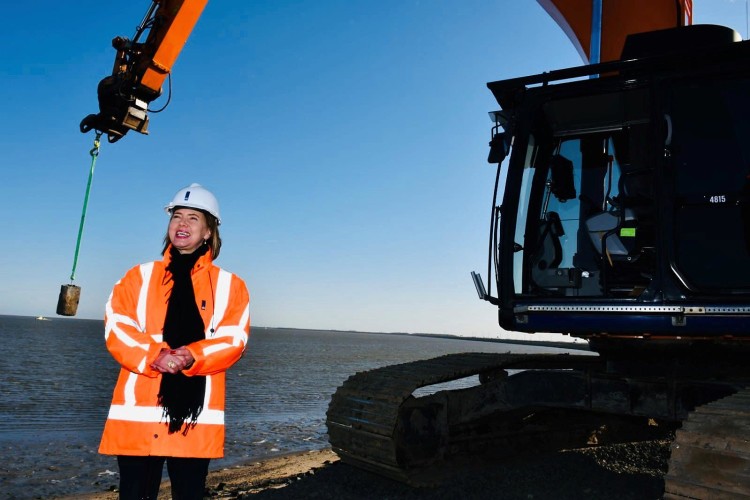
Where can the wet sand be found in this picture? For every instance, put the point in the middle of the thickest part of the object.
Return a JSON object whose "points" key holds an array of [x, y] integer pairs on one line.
{"points": [[621, 471]]}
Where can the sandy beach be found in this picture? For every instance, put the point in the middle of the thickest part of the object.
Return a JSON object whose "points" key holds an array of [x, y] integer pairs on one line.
{"points": [[622, 471]]}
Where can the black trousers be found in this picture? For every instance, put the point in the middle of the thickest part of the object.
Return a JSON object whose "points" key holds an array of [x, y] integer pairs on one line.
{"points": [[140, 477]]}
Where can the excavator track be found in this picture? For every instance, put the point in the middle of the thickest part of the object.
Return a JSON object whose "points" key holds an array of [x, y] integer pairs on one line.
{"points": [[375, 423], [711, 453]]}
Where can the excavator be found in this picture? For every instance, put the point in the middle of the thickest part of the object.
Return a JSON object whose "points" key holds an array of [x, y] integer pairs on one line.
{"points": [[620, 216]]}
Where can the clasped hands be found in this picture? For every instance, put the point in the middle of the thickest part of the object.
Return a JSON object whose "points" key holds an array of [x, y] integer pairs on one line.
{"points": [[173, 360]]}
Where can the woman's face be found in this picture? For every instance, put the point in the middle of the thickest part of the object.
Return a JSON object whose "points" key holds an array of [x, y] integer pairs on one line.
{"points": [[187, 229]]}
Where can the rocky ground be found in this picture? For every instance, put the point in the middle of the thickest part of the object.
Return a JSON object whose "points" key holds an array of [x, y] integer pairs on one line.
{"points": [[620, 471]]}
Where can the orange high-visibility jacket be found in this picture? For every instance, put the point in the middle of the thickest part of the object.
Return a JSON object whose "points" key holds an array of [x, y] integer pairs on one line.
{"points": [[134, 319]]}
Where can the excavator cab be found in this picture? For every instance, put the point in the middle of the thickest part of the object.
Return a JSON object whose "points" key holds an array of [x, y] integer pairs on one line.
{"points": [[621, 215], [592, 239], [625, 209]]}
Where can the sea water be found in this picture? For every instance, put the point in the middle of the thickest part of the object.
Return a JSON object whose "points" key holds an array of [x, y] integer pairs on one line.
{"points": [[57, 379]]}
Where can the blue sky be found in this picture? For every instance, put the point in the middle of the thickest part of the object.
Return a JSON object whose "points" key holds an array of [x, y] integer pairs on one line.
{"points": [[346, 142]]}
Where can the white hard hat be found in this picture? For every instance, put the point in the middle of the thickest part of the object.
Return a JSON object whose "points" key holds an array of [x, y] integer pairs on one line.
{"points": [[195, 196]]}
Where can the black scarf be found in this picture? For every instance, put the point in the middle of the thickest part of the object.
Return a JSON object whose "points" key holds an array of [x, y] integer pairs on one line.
{"points": [[179, 395]]}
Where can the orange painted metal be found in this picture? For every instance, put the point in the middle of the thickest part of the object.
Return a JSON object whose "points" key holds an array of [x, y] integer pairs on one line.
{"points": [[181, 16], [619, 19]]}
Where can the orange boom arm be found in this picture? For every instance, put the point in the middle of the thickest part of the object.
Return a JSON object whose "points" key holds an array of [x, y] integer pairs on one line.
{"points": [[598, 28], [141, 68]]}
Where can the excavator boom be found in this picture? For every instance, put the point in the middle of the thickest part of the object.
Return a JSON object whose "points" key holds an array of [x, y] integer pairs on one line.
{"points": [[141, 67], [598, 28]]}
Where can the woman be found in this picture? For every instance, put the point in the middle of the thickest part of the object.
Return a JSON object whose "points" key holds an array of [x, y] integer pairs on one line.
{"points": [[175, 326]]}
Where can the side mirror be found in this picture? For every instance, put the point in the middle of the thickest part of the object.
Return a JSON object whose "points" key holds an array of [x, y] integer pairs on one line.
{"points": [[499, 147], [481, 291]]}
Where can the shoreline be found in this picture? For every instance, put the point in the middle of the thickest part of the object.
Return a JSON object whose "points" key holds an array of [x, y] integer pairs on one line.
{"points": [[573, 343], [632, 470]]}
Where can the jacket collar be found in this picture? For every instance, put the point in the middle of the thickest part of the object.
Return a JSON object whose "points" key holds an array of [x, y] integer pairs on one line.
{"points": [[204, 260]]}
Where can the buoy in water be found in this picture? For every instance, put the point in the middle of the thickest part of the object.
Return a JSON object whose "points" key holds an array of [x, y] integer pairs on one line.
{"points": [[67, 303]]}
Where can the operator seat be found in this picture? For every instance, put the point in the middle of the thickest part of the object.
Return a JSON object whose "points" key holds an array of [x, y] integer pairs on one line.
{"points": [[623, 238], [617, 233], [613, 234]]}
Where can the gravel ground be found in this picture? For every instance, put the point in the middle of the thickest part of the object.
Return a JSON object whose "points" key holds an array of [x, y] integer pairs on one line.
{"points": [[624, 471]]}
